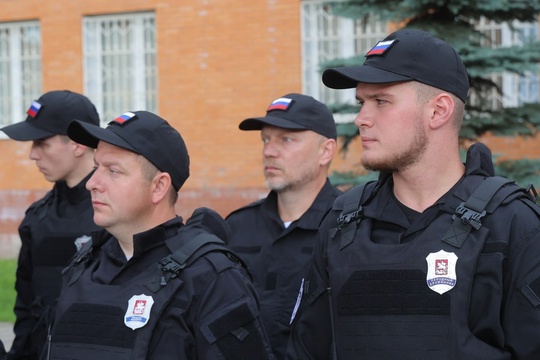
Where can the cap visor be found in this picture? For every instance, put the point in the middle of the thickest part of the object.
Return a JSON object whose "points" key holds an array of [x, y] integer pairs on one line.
{"points": [[23, 131], [90, 135], [349, 77], [258, 123]]}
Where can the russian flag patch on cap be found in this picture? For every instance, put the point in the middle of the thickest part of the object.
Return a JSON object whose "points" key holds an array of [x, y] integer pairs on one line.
{"points": [[124, 117], [381, 47], [280, 104], [34, 109]]}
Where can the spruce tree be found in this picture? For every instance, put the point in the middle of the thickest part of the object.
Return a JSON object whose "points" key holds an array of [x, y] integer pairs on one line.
{"points": [[455, 21]]}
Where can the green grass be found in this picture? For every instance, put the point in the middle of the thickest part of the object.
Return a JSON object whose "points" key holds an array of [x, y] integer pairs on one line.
{"points": [[7, 289]]}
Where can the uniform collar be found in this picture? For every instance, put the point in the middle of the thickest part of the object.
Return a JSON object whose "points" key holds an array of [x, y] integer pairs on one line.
{"points": [[314, 215], [146, 240], [142, 242], [75, 194]]}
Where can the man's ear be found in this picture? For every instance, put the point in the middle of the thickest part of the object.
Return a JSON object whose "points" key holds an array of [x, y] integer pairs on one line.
{"points": [[442, 110], [328, 148], [161, 185], [78, 149]]}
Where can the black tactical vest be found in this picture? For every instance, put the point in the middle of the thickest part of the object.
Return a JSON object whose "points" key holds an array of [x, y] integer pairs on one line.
{"points": [[116, 322], [411, 300]]}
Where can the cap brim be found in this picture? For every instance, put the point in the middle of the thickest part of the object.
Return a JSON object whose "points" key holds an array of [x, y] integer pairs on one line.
{"points": [[90, 135], [259, 122], [23, 131], [349, 77]]}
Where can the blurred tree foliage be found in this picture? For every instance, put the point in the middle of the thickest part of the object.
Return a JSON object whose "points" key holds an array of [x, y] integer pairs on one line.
{"points": [[456, 22]]}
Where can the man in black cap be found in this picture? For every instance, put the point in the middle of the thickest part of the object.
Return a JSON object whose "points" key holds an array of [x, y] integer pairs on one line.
{"points": [[275, 235], [437, 259], [148, 286], [57, 225]]}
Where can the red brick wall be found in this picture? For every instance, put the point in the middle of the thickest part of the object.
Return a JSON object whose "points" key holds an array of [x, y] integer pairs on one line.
{"points": [[219, 62]]}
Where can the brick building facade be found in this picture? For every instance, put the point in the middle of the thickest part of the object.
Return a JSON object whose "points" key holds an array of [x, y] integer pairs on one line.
{"points": [[218, 61]]}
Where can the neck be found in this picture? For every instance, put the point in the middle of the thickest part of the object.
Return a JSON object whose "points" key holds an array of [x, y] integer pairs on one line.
{"points": [[124, 233], [292, 204], [421, 186], [85, 167]]}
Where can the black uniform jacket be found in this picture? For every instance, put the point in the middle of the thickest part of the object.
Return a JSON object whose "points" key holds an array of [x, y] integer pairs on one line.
{"points": [[276, 255], [53, 229]]}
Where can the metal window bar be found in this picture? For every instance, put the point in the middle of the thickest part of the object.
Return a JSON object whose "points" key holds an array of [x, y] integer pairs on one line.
{"points": [[20, 69], [516, 89], [326, 37], [120, 67]]}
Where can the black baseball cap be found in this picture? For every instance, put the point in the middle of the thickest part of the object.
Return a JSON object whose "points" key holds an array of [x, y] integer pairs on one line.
{"points": [[143, 133], [405, 55], [51, 114], [295, 111]]}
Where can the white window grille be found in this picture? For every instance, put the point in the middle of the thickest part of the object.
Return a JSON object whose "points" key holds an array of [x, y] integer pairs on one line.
{"points": [[326, 37], [20, 69], [516, 89], [120, 70]]}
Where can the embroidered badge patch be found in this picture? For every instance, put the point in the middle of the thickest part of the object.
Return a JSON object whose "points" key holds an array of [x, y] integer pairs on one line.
{"points": [[33, 110], [280, 104], [124, 117], [80, 241], [138, 311], [441, 274], [381, 47]]}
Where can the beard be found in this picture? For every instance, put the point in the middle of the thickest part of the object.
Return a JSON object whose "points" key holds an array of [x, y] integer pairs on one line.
{"points": [[403, 159], [290, 182]]}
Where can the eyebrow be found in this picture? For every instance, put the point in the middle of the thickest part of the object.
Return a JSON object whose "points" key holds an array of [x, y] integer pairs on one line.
{"points": [[107, 163], [375, 95]]}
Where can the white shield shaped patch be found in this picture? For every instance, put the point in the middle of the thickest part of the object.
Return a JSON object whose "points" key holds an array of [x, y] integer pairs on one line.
{"points": [[80, 241], [138, 311], [441, 273]]}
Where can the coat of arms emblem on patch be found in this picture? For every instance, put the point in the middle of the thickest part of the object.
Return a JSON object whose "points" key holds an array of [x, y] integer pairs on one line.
{"points": [[441, 274], [138, 311]]}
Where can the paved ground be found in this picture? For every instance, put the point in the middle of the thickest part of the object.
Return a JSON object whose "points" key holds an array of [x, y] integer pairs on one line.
{"points": [[6, 334]]}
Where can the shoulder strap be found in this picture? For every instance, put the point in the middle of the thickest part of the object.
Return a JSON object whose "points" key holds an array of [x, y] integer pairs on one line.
{"points": [[185, 255], [41, 203], [469, 213], [181, 257], [351, 213]]}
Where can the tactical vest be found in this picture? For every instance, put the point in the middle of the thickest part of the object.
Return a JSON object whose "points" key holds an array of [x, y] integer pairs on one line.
{"points": [[54, 242], [411, 300], [94, 317]]}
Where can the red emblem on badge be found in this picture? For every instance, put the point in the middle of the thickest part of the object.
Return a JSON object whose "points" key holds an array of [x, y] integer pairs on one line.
{"points": [[139, 307], [441, 267]]}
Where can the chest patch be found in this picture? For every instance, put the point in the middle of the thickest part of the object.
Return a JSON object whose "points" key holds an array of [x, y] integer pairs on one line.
{"points": [[441, 274], [138, 311]]}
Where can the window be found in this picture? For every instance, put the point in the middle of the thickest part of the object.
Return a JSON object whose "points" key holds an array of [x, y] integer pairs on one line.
{"points": [[516, 89], [20, 69], [120, 68], [326, 37]]}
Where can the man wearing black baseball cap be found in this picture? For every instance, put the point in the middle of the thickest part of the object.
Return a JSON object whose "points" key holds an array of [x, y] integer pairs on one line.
{"points": [[55, 226], [275, 235], [148, 286], [436, 259]]}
